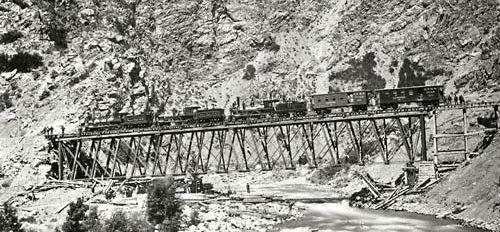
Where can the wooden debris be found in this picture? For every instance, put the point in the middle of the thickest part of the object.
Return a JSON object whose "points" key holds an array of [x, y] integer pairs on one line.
{"points": [[370, 184], [389, 201]]}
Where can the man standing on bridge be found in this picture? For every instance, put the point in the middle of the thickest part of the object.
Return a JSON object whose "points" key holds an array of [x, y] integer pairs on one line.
{"points": [[456, 100], [461, 100]]}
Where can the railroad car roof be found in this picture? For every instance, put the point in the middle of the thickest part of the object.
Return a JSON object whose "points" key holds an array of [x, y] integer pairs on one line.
{"points": [[324, 94], [412, 87]]}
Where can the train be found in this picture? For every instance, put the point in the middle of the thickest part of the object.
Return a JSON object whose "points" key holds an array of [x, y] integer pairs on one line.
{"points": [[319, 104]]}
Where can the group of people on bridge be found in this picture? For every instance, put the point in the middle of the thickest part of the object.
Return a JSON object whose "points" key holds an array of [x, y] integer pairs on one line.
{"points": [[455, 100]]}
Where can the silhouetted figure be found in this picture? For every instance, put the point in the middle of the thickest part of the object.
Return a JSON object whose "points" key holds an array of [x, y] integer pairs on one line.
{"points": [[461, 100], [248, 188], [62, 130], [455, 99], [449, 100]]}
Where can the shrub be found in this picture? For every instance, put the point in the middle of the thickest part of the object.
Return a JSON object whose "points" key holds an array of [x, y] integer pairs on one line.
{"points": [[10, 37], [23, 62], [76, 215], [5, 102], [119, 222], [194, 218], [91, 222], [249, 72], [8, 219], [162, 206], [58, 35]]}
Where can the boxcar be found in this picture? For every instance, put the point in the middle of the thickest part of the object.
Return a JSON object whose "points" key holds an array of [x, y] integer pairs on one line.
{"points": [[209, 115], [293, 107], [357, 100], [422, 95]]}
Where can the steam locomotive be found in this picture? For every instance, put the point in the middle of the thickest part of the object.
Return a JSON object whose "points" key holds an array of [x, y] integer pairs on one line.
{"points": [[320, 104]]}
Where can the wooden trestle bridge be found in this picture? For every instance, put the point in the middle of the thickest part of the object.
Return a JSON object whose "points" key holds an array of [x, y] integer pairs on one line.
{"points": [[373, 136]]}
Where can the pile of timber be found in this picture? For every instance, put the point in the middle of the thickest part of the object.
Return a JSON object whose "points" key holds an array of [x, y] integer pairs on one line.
{"points": [[370, 184], [400, 191]]}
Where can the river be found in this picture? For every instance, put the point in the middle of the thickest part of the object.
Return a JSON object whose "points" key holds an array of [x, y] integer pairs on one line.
{"points": [[340, 217]]}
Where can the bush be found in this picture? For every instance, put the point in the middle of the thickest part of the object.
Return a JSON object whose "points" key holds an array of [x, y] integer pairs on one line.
{"points": [[162, 206], [76, 215], [194, 218], [78, 220], [23, 62], [91, 222], [119, 222], [10, 37], [58, 35], [8, 219]]}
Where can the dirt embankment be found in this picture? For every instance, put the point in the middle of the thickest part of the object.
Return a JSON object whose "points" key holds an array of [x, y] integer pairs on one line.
{"points": [[471, 193]]}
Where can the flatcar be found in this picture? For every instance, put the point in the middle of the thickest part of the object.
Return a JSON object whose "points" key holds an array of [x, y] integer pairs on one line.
{"points": [[101, 124], [324, 103], [422, 95]]}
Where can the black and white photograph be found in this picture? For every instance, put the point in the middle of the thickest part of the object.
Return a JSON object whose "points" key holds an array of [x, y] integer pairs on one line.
{"points": [[249, 115]]}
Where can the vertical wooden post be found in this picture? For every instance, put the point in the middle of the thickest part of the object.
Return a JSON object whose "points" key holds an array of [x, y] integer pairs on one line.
{"points": [[464, 112], [423, 139], [337, 153], [435, 139], [361, 153], [497, 120], [209, 151], [386, 150], [59, 152]]}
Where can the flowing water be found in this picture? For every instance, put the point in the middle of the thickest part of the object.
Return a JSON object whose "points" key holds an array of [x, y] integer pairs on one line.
{"points": [[340, 217]]}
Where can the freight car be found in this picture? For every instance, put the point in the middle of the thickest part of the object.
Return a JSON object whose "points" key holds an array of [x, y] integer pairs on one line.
{"points": [[295, 108], [324, 103], [120, 122], [209, 115], [139, 120], [422, 95]]}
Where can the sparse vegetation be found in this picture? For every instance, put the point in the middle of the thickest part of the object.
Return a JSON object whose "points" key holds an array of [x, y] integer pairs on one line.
{"points": [[8, 219], [76, 215], [163, 208], [62, 18], [22, 62], [120, 222], [79, 220], [5, 101], [10, 37], [249, 72]]}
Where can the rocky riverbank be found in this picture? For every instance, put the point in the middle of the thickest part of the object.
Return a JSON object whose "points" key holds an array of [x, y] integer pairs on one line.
{"points": [[468, 194], [239, 216]]}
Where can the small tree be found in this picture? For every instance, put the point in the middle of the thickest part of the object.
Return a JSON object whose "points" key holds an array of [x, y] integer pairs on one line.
{"points": [[162, 206], [91, 222], [120, 222], [8, 219], [76, 215]]}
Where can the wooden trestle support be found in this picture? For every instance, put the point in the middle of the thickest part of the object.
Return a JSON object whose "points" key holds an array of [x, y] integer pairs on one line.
{"points": [[243, 147]]}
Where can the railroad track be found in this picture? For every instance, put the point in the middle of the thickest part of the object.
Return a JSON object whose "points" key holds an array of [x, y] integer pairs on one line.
{"points": [[274, 121]]}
